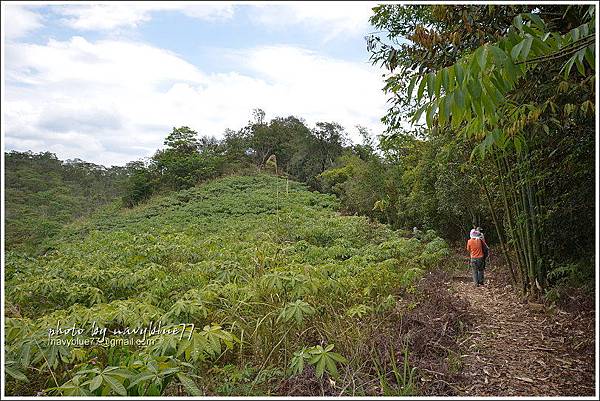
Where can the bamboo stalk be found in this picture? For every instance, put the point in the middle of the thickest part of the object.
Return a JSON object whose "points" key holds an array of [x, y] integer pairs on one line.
{"points": [[495, 220], [520, 245]]}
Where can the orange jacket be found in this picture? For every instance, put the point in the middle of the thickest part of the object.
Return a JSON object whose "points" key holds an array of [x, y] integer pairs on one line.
{"points": [[475, 248]]}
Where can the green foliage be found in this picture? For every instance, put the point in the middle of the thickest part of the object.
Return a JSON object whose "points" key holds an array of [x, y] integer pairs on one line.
{"points": [[188, 160], [499, 95], [296, 311], [403, 383], [44, 193], [323, 359], [257, 276], [185, 161], [492, 71]]}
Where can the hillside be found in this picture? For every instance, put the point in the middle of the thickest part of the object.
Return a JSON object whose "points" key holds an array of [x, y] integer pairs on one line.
{"points": [[43, 193], [286, 296]]}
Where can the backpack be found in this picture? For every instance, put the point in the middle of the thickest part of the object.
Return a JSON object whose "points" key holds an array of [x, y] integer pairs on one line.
{"points": [[485, 249]]}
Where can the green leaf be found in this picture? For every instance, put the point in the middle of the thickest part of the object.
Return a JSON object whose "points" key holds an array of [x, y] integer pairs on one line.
{"points": [[546, 129], [499, 82], [567, 67], [337, 357], [189, 385], [526, 47], [499, 55], [575, 34], [115, 385], [457, 110], [514, 53], [488, 104], [430, 84], [141, 378], [460, 74], [153, 390], [539, 23], [438, 83], [421, 88], [95, 383], [451, 78], [419, 112], [430, 113], [590, 57], [445, 78], [320, 368], [474, 66], [411, 85], [491, 92], [15, 373], [443, 112], [481, 55], [518, 22], [518, 144], [459, 99], [25, 354], [580, 66]]}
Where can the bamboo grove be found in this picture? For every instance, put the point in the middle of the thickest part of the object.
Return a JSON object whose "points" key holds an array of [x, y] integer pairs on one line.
{"points": [[515, 83]]}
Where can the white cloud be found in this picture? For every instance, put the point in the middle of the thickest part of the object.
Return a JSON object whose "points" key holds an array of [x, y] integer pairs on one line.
{"points": [[18, 21], [106, 17], [329, 18], [112, 101]]}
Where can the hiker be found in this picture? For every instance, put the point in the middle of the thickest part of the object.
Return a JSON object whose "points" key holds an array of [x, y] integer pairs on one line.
{"points": [[475, 248], [473, 230]]}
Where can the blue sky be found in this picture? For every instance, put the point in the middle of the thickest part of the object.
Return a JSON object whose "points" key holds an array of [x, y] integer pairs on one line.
{"points": [[107, 82]]}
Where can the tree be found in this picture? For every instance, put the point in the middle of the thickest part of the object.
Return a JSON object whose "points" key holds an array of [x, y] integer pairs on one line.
{"points": [[187, 159], [182, 140], [489, 76], [141, 185]]}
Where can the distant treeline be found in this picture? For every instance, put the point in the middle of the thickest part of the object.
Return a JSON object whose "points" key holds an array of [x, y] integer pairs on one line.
{"points": [[186, 159], [43, 193]]}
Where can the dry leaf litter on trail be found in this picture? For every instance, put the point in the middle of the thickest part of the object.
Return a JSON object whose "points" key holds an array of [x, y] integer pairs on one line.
{"points": [[516, 348]]}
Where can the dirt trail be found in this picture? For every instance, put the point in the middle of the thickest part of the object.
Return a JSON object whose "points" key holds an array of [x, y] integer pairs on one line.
{"points": [[518, 349]]}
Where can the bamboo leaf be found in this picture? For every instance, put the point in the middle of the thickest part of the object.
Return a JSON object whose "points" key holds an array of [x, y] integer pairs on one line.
{"points": [[430, 113], [430, 84], [411, 85], [438, 83], [421, 88], [537, 21], [567, 67], [518, 22], [460, 74], [445, 78], [590, 57], [526, 47], [514, 53]]}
